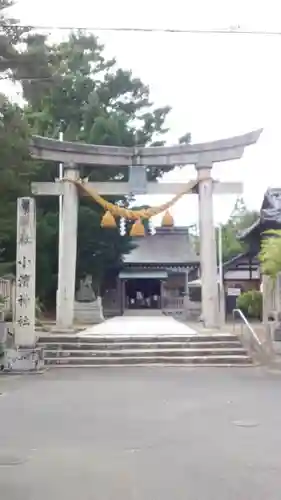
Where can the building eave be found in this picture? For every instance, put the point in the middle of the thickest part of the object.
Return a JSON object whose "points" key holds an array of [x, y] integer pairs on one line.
{"points": [[245, 233]]}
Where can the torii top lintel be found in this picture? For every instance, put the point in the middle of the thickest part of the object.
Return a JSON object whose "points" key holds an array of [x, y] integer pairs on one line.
{"points": [[183, 154]]}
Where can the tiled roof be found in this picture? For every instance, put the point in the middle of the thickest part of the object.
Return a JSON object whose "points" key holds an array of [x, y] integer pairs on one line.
{"points": [[167, 246], [270, 214]]}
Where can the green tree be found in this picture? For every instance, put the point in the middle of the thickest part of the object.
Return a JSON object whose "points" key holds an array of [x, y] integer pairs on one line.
{"points": [[78, 92], [240, 218], [15, 175], [270, 254], [250, 303], [69, 87], [88, 98], [12, 36], [16, 169]]}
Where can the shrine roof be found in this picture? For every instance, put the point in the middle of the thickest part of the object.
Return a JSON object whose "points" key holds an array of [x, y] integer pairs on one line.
{"points": [[270, 215], [241, 261], [167, 246]]}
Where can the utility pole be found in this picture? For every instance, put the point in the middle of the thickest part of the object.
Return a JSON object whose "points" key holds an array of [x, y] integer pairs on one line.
{"points": [[221, 284], [60, 253], [60, 198]]}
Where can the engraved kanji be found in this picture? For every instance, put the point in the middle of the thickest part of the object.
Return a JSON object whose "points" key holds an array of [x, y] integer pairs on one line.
{"points": [[24, 238], [23, 280], [23, 299], [24, 262], [23, 321], [25, 205]]}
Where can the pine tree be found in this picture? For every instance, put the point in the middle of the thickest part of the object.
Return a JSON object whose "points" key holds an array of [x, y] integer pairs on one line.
{"points": [[11, 36]]}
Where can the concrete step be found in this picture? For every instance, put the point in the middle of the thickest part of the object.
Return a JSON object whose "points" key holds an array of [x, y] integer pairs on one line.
{"points": [[144, 349], [68, 346], [127, 338], [143, 353], [210, 360], [151, 365]]}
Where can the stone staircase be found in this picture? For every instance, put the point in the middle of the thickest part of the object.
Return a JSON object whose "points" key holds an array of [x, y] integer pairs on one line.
{"points": [[144, 350]]}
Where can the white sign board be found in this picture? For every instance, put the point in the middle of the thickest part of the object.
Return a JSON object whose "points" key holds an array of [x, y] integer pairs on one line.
{"points": [[233, 292]]}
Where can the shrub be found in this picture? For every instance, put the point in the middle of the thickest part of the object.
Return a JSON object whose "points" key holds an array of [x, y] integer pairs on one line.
{"points": [[250, 304], [270, 254]]}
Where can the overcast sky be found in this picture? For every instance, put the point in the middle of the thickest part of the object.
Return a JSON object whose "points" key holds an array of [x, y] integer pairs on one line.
{"points": [[217, 85]]}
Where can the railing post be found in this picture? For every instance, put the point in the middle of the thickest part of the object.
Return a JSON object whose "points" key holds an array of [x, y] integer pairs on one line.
{"points": [[264, 351]]}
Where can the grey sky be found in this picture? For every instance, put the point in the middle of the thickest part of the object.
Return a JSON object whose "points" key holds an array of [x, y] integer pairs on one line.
{"points": [[217, 85]]}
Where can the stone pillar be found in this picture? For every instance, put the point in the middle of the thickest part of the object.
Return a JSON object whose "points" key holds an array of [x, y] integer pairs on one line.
{"points": [[123, 295], [186, 295], [267, 309], [186, 288], [25, 335], [68, 253], [208, 260], [161, 299]]}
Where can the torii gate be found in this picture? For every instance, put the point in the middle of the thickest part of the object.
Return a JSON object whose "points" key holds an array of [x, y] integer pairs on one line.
{"points": [[73, 154]]}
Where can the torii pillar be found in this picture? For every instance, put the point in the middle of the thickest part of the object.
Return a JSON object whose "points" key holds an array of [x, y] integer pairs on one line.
{"points": [[208, 247], [68, 252]]}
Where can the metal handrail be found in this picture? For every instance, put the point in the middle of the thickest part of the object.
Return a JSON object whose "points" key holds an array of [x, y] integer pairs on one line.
{"points": [[243, 317]]}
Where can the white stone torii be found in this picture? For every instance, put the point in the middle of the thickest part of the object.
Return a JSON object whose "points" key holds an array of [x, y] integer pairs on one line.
{"points": [[203, 156]]}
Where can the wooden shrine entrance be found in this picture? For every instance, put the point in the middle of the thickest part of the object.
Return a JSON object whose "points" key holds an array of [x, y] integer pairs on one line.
{"points": [[143, 293]]}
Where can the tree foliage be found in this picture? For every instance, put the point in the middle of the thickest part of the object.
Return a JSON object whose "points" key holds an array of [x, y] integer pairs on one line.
{"points": [[270, 254], [15, 174], [240, 218], [250, 303], [88, 98], [11, 38], [69, 87]]}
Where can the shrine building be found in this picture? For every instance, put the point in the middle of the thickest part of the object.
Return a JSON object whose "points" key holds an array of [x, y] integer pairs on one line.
{"points": [[155, 275]]}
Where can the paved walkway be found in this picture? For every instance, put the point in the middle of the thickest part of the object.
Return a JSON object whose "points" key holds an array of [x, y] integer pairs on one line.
{"points": [[141, 434], [140, 325]]}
